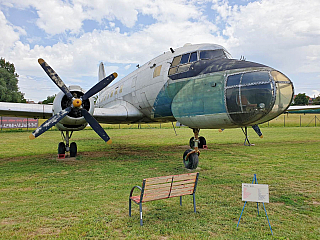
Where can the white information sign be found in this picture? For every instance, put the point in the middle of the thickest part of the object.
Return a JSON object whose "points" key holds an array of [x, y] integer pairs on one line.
{"points": [[255, 192]]}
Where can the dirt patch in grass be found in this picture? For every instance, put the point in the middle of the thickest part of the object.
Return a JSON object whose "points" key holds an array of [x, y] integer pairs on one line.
{"points": [[8, 221]]}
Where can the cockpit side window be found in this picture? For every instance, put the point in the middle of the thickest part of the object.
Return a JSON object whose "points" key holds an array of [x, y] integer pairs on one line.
{"points": [[185, 58], [211, 54], [176, 61], [193, 57], [182, 63]]}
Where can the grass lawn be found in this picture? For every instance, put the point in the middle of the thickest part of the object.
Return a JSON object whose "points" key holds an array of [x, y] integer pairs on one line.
{"points": [[42, 197]]}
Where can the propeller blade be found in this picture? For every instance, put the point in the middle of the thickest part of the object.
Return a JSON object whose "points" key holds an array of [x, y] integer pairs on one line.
{"points": [[257, 130], [54, 77], [49, 123], [99, 86], [95, 126]]}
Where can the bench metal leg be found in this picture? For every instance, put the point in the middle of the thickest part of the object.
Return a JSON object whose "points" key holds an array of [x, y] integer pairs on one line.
{"points": [[140, 206], [180, 200], [129, 207], [194, 202]]}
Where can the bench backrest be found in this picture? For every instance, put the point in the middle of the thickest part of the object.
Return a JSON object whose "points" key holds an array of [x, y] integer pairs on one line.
{"points": [[168, 186]]}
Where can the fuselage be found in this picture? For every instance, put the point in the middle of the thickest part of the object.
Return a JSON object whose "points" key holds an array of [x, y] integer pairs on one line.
{"points": [[201, 86]]}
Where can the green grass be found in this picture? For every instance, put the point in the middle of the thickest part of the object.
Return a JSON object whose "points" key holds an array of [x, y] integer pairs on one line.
{"points": [[42, 197]]}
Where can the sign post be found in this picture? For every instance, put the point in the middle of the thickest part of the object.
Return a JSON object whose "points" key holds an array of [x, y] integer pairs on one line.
{"points": [[255, 192]]}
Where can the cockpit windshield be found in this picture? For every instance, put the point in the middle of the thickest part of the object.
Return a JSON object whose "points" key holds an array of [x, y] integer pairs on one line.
{"points": [[212, 54]]}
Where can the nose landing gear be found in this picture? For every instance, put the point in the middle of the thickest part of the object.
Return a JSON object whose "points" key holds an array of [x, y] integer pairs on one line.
{"points": [[64, 147]]}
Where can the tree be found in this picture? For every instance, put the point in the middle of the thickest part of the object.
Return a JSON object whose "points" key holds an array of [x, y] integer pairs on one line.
{"points": [[9, 83], [49, 99], [316, 101], [301, 99]]}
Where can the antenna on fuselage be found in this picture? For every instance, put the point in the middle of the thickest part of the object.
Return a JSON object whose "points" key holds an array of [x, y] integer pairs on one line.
{"points": [[171, 49]]}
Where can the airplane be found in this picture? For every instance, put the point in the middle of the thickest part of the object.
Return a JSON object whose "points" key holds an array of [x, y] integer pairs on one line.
{"points": [[199, 85]]}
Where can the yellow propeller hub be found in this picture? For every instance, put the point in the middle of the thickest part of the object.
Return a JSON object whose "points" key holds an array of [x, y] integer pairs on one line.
{"points": [[77, 102]]}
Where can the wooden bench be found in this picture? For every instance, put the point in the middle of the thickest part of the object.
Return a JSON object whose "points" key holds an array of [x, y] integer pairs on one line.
{"points": [[165, 187]]}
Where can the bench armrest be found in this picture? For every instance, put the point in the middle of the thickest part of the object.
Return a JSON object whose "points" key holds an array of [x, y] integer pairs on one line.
{"points": [[133, 189]]}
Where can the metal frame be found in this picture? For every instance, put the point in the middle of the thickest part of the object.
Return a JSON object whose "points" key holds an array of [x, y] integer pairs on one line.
{"points": [[142, 192], [256, 182]]}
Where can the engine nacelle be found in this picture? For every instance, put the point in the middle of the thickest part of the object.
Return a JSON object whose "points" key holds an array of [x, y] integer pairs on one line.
{"points": [[74, 121]]}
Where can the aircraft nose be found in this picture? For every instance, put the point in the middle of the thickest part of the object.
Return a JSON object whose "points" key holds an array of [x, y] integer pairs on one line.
{"points": [[256, 97], [283, 93]]}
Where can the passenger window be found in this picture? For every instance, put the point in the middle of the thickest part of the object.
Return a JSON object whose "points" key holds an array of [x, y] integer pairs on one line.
{"points": [[185, 58], [233, 80], [193, 57], [157, 71], [120, 89], [254, 77], [176, 61]]}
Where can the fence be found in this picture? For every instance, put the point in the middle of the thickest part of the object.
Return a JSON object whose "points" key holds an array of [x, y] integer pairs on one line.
{"points": [[14, 122], [284, 120], [294, 120]]}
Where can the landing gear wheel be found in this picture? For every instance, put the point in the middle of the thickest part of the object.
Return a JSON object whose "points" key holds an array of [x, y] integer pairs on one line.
{"points": [[73, 149], [61, 148], [192, 161], [202, 142]]}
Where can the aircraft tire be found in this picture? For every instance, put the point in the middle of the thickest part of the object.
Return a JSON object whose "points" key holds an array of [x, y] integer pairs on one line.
{"points": [[73, 149], [192, 161], [61, 148], [202, 142]]}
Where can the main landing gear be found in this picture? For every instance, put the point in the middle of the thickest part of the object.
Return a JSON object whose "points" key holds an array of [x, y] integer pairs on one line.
{"points": [[64, 147], [191, 156], [245, 131]]}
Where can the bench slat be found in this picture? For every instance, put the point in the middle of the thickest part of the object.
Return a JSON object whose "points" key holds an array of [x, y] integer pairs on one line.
{"points": [[189, 186], [156, 192], [181, 193], [185, 177], [156, 186], [182, 182], [157, 180]]}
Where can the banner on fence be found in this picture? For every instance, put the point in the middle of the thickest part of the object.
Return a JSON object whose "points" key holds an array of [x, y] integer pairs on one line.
{"points": [[14, 122]]}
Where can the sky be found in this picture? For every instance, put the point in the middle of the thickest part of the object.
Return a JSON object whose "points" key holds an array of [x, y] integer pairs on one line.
{"points": [[74, 36]]}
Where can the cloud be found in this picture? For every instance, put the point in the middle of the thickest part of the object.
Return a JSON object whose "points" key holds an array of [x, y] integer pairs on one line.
{"points": [[9, 33], [282, 34], [281, 30]]}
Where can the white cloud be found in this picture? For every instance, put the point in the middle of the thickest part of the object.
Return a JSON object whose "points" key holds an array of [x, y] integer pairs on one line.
{"points": [[277, 29], [282, 34], [9, 33]]}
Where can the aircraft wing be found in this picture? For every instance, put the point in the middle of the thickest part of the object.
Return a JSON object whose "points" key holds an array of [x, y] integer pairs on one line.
{"points": [[304, 109], [25, 110], [120, 111]]}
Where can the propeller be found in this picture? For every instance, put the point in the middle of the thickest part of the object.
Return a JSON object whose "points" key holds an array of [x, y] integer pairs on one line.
{"points": [[76, 103]]}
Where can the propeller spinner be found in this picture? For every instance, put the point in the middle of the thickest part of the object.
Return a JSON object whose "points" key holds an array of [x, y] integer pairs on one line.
{"points": [[77, 103]]}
